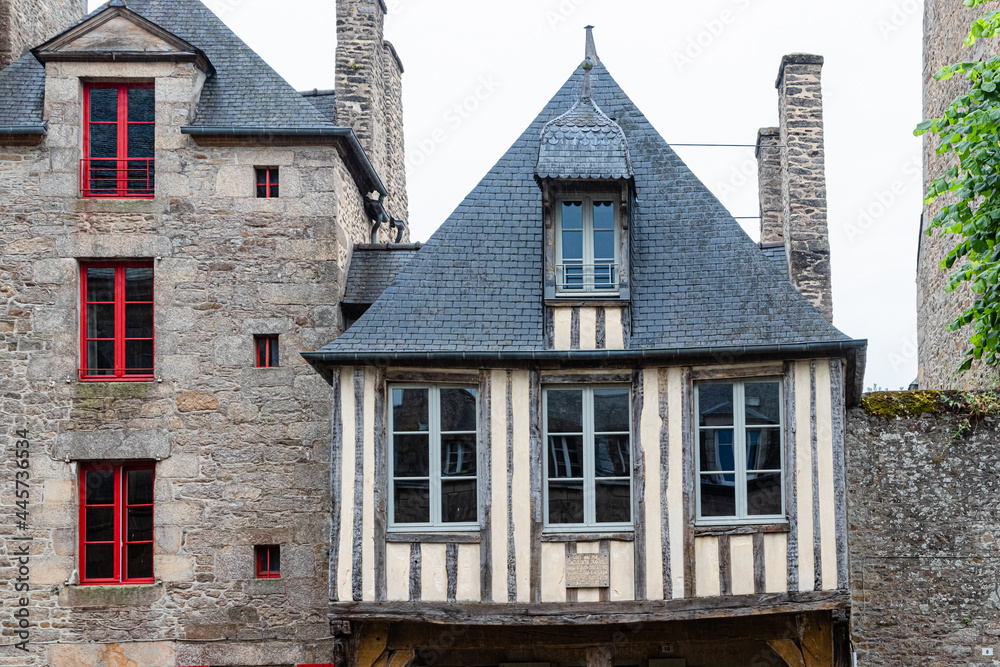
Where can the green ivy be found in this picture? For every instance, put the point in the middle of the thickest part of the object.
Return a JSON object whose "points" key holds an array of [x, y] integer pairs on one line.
{"points": [[970, 129]]}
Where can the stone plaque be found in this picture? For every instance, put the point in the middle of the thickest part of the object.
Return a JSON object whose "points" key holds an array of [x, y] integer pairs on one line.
{"points": [[588, 570]]}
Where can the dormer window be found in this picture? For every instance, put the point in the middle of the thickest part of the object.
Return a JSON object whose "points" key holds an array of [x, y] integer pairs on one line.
{"points": [[119, 140], [588, 235]]}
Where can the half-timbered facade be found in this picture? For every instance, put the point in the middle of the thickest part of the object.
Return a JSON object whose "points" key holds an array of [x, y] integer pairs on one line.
{"points": [[591, 421]]}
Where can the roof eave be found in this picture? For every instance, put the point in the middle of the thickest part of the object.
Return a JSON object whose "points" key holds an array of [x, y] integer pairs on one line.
{"points": [[854, 351], [196, 56], [354, 153], [25, 135]]}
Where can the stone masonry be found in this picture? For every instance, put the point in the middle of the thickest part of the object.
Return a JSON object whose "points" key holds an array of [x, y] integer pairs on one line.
{"points": [[772, 208], [925, 555], [803, 173], [369, 94], [242, 453], [27, 23], [946, 23]]}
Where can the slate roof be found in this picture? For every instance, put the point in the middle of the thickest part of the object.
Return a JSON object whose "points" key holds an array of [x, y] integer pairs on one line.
{"points": [[245, 91], [22, 92], [697, 279], [373, 269], [325, 102], [584, 143], [777, 255]]}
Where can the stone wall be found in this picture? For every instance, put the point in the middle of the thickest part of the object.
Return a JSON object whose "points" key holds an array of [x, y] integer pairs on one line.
{"points": [[243, 453], [946, 23], [925, 522], [25, 24]]}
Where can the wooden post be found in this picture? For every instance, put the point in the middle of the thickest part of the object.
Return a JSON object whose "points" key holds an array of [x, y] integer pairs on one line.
{"points": [[816, 636], [369, 644]]}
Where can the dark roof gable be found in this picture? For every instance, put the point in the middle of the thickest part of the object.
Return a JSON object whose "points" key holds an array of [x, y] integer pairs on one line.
{"points": [[697, 278]]}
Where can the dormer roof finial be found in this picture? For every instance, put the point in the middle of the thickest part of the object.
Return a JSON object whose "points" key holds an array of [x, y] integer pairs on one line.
{"points": [[591, 54]]}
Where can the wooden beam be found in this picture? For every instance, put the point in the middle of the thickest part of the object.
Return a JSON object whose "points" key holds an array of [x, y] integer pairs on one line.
{"points": [[788, 650], [816, 632], [369, 644]]}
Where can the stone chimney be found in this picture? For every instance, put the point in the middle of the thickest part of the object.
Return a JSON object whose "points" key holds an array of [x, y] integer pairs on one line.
{"points": [[24, 24], [772, 209], [369, 95], [803, 179]]}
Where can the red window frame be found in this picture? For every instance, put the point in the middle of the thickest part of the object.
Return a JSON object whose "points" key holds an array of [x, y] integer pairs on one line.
{"points": [[120, 540], [121, 373], [266, 555], [128, 170], [267, 178], [264, 345]]}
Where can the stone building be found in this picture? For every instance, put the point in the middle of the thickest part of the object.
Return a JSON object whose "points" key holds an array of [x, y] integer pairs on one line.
{"points": [[177, 225], [946, 23], [590, 421]]}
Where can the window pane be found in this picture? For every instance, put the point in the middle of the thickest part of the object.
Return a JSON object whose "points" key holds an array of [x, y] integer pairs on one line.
{"points": [[717, 451], [273, 350], [763, 449], [274, 559], [611, 413], [572, 215], [140, 487], [458, 455], [715, 403], [139, 320], [100, 561], [458, 501], [141, 141], [718, 495], [572, 246], [565, 502], [612, 456], [139, 284], [101, 321], [273, 175], [458, 410], [261, 191], [274, 192], [141, 105], [411, 456], [412, 502], [614, 501], [139, 561], [604, 245], [409, 410], [138, 357], [763, 493], [100, 285], [100, 524], [104, 141], [140, 524], [101, 355], [100, 487], [565, 456], [104, 104], [763, 403], [604, 215], [262, 352], [565, 411]]}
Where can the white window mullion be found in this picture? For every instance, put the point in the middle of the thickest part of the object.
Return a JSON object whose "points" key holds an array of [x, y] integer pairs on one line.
{"points": [[740, 445], [588, 242], [434, 451], [589, 464]]}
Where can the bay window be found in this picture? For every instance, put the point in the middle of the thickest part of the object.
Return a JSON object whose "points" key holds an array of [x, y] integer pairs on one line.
{"points": [[588, 459], [432, 455], [740, 452]]}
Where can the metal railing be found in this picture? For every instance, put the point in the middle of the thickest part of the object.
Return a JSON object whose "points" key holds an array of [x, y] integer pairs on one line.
{"points": [[588, 279], [112, 178], [138, 374]]}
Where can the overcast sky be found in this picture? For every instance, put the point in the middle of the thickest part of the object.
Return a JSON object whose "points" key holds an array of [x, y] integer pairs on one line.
{"points": [[479, 71]]}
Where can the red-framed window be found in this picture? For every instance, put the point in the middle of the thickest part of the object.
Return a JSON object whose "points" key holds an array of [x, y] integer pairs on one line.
{"points": [[268, 561], [267, 182], [119, 139], [116, 523], [116, 316], [266, 350]]}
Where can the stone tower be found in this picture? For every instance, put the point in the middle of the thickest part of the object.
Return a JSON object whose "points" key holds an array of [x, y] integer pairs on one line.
{"points": [[27, 23], [370, 93], [946, 23]]}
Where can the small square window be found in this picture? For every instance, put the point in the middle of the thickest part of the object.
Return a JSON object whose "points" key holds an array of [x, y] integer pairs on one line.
{"points": [[267, 182], [268, 561], [266, 351]]}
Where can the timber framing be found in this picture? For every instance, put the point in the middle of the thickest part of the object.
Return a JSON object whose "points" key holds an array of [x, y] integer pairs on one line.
{"points": [[597, 613]]}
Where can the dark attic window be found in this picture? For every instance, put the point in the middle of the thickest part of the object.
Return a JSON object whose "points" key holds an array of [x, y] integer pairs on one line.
{"points": [[119, 138], [266, 350], [267, 182]]}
